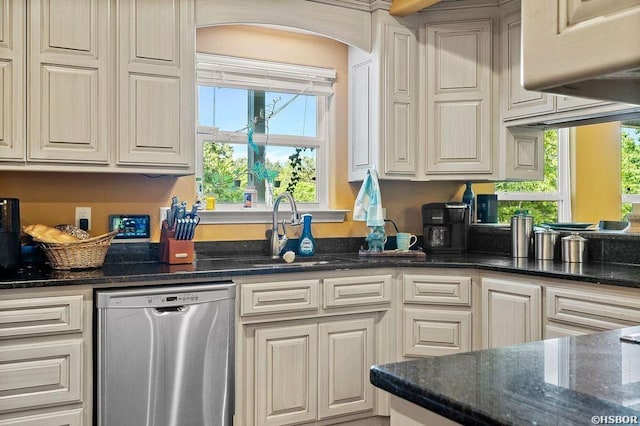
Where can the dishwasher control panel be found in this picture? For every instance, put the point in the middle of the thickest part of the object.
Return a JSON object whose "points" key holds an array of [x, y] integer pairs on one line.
{"points": [[173, 299]]}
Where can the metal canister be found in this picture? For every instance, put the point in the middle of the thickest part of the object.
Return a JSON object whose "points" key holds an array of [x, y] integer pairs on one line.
{"points": [[545, 244], [574, 248], [521, 233]]}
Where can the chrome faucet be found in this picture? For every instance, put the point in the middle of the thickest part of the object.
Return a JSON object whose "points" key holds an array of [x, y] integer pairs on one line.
{"points": [[278, 241]]}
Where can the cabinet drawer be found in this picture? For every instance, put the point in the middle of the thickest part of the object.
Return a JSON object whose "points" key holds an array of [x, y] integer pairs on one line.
{"points": [[593, 310], [287, 296], [355, 291], [437, 289], [58, 418], [40, 374], [41, 316], [430, 332]]}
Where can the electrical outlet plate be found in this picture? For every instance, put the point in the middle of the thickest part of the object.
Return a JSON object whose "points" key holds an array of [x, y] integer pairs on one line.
{"points": [[163, 214], [83, 213]]}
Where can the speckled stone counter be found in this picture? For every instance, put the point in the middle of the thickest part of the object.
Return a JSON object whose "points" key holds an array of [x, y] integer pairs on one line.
{"points": [[564, 381], [208, 267]]}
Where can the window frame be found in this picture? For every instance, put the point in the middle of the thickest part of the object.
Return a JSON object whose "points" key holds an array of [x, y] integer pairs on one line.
{"points": [[563, 195], [225, 71]]}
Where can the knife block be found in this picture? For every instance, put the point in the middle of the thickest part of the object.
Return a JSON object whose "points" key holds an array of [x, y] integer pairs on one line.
{"points": [[172, 251]]}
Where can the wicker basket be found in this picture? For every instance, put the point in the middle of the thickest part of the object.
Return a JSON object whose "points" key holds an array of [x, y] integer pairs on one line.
{"points": [[89, 253]]}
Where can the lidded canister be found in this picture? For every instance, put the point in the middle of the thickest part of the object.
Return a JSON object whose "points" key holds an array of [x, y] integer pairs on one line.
{"points": [[521, 233], [545, 243], [574, 248]]}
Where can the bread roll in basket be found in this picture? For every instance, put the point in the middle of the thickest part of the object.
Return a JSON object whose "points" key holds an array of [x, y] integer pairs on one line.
{"points": [[65, 251]]}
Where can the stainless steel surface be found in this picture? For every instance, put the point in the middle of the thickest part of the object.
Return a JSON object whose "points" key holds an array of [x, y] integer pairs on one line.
{"points": [[165, 356], [574, 248], [521, 235], [545, 244], [277, 241]]}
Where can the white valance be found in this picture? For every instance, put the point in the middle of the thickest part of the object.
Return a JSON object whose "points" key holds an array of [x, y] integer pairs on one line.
{"points": [[227, 71]]}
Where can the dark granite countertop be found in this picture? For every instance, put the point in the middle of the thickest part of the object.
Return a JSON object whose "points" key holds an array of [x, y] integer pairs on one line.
{"points": [[564, 381], [223, 267]]}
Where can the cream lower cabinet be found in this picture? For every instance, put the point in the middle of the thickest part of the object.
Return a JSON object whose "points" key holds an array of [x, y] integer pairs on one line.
{"points": [[45, 357], [574, 310], [511, 312], [301, 361], [436, 315]]}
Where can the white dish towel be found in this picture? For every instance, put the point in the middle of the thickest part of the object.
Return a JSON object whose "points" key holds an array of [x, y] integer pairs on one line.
{"points": [[368, 204]]}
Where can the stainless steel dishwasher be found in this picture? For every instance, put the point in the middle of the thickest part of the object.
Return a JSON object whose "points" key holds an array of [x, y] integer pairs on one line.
{"points": [[165, 356]]}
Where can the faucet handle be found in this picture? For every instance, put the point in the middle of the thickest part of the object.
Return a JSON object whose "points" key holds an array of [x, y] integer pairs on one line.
{"points": [[295, 218]]}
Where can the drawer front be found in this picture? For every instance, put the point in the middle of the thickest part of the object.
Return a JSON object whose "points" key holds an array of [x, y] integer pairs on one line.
{"points": [[57, 418], [287, 296], [437, 289], [41, 316], [592, 310], [430, 332], [40, 374], [357, 291]]}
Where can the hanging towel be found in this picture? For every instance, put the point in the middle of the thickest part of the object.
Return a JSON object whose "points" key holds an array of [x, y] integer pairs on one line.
{"points": [[368, 205]]}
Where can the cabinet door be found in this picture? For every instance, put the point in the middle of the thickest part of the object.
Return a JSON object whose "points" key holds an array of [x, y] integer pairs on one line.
{"points": [[12, 86], [567, 103], [361, 146], [524, 148], [286, 371], [459, 117], [156, 83], [511, 312], [515, 100], [401, 105], [68, 96], [346, 355], [55, 418]]}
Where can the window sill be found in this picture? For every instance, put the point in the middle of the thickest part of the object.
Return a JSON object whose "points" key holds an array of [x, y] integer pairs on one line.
{"points": [[261, 215]]}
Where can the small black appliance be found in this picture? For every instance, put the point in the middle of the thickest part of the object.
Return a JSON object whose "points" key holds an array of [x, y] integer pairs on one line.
{"points": [[10, 249], [445, 227]]}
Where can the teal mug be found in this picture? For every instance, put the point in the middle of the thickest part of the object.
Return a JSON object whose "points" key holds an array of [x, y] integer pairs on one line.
{"points": [[404, 240]]}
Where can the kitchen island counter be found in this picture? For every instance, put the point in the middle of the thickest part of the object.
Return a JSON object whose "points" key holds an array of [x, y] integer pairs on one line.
{"points": [[565, 381], [219, 268]]}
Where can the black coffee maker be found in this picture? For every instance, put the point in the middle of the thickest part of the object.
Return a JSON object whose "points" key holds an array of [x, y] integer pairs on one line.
{"points": [[445, 227], [10, 250]]}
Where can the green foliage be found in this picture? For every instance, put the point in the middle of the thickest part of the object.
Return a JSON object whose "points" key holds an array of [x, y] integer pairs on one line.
{"points": [[222, 173], [542, 211], [629, 166]]}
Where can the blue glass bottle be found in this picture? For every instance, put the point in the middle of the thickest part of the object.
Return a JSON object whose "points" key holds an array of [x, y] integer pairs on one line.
{"points": [[307, 244], [469, 198]]}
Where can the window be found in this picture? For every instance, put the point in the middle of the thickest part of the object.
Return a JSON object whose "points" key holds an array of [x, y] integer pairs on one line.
{"points": [[263, 125], [630, 164], [547, 200]]}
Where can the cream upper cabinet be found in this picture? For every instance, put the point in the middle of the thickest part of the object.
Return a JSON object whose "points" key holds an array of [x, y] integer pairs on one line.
{"points": [[12, 80], [515, 100], [156, 106], [569, 45], [383, 104], [523, 153], [459, 82], [511, 312], [68, 104], [109, 86]]}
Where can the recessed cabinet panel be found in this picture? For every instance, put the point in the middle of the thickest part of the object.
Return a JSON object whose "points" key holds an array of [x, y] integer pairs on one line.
{"points": [[40, 316], [432, 332], [12, 86], [511, 312], [57, 418], [357, 291], [148, 43], [457, 53], [348, 354], [154, 121], [516, 101], [524, 153], [286, 374], [361, 150], [459, 81], [287, 296], [579, 11], [437, 289], [70, 24], [40, 374]]}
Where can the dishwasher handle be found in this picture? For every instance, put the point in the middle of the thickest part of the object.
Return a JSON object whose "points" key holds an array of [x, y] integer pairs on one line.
{"points": [[169, 309]]}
